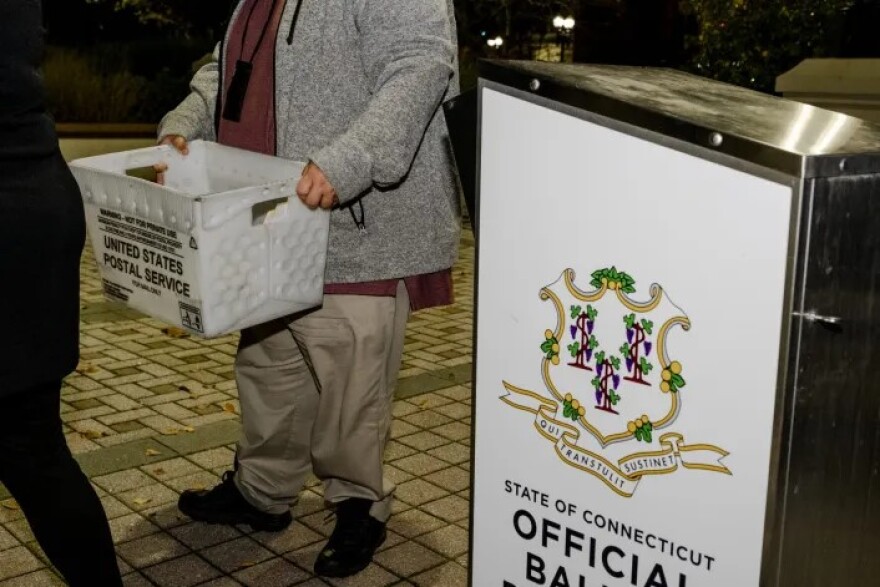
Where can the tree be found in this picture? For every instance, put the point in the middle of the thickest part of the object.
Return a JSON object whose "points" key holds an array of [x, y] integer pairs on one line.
{"points": [[751, 42], [516, 21], [183, 17], [630, 32], [859, 38], [79, 23]]}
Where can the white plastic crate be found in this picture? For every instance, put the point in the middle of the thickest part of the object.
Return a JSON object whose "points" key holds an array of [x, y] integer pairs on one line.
{"points": [[224, 244]]}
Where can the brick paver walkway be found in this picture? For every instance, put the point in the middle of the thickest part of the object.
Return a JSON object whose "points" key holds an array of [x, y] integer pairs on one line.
{"points": [[150, 413]]}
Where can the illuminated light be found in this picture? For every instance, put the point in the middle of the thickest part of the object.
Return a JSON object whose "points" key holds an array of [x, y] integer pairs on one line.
{"points": [[565, 24]]}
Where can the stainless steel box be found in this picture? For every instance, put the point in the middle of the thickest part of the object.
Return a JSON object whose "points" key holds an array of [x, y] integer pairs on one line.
{"points": [[822, 509]]}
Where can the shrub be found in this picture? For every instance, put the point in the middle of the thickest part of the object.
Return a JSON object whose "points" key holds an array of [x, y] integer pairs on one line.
{"points": [[80, 90]]}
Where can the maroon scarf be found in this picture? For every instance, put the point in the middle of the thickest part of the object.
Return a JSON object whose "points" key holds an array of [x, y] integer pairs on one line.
{"points": [[256, 129]]}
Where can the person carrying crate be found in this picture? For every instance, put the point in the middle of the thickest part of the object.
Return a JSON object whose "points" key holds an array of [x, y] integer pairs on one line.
{"points": [[354, 87]]}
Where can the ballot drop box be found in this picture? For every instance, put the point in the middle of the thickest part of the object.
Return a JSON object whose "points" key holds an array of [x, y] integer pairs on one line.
{"points": [[677, 377], [223, 244]]}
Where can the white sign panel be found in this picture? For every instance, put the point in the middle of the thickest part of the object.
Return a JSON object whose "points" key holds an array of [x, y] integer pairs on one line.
{"points": [[630, 311]]}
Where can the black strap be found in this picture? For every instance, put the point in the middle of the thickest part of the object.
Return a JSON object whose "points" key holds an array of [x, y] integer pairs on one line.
{"points": [[241, 76], [221, 60], [294, 21]]}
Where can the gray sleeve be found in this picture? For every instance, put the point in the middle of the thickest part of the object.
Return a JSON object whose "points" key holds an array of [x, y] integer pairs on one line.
{"points": [[194, 117], [408, 57]]}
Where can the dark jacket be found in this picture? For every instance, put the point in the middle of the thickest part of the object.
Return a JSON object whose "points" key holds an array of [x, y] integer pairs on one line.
{"points": [[42, 229]]}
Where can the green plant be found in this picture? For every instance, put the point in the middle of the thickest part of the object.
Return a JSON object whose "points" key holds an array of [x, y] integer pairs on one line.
{"points": [[642, 429], [550, 347], [672, 379], [613, 279], [79, 91]]}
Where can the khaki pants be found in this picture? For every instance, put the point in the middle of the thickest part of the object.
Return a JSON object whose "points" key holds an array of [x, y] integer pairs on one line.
{"points": [[316, 391]]}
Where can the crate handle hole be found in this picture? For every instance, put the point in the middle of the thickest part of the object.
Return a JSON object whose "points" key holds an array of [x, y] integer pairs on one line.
{"points": [[148, 173], [265, 212]]}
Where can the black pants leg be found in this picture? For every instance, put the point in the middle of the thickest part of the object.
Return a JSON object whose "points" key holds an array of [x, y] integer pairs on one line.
{"points": [[57, 499]]}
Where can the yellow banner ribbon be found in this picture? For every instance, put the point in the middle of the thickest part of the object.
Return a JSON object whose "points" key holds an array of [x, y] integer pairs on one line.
{"points": [[624, 476]]}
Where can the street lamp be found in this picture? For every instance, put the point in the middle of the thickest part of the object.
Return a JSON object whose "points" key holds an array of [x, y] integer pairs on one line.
{"points": [[564, 27], [495, 43]]}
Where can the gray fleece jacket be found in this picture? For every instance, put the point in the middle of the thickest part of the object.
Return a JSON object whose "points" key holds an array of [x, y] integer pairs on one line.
{"points": [[358, 91]]}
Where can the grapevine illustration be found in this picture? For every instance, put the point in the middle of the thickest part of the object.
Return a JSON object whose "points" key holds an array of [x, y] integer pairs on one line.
{"points": [[611, 377], [637, 333], [582, 332], [606, 382], [638, 350]]}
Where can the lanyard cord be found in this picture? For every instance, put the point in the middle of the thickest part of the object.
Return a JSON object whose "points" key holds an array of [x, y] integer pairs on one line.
{"points": [[362, 222], [293, 22]]}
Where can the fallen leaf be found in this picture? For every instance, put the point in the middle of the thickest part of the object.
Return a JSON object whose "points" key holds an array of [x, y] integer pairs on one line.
{"points": [[10, 504], [141, 501], [189, 429], [85, 367], [93, 434], [159, 471], [175, 332], [171, 432], [184, 388], [229, 408], [152, 452]]}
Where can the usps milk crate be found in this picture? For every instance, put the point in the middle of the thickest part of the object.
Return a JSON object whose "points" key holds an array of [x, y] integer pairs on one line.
{"points": [[224, 244]]}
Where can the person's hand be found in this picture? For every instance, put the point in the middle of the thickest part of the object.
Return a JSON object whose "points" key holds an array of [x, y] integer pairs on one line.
{"points": [[315, 190], [179, 143]]}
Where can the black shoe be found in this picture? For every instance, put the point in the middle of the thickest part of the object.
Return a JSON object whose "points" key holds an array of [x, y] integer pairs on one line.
{"points": [[355, 539], [224, 504]]}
